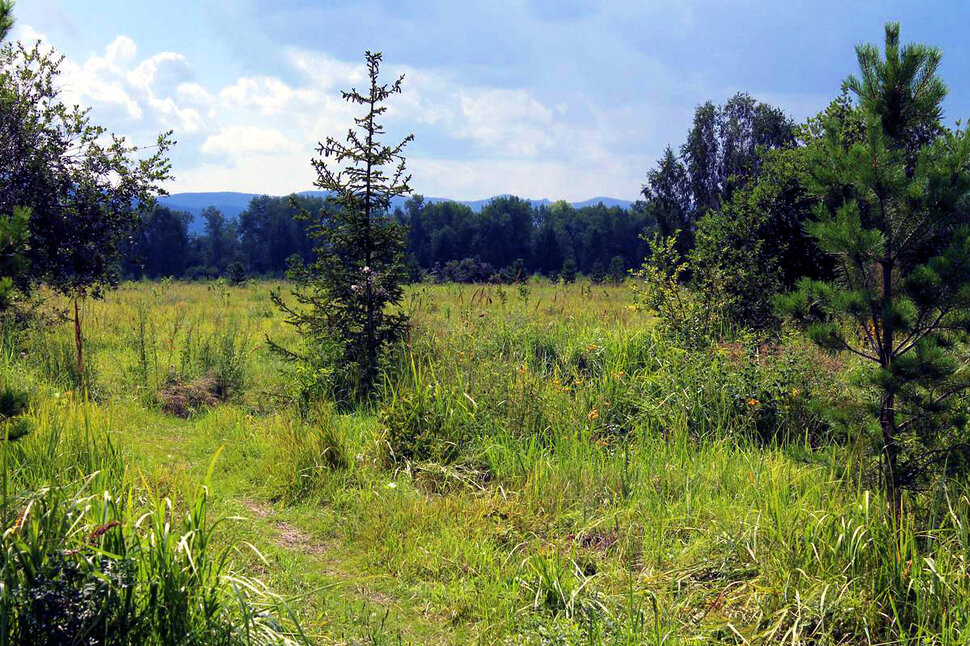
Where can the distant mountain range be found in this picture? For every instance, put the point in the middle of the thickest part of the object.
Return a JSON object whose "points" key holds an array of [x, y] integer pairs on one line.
{"points": [[232, 204]]}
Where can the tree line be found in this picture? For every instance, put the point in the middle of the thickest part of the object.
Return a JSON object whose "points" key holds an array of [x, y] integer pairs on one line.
{"points": [[510, 238]]}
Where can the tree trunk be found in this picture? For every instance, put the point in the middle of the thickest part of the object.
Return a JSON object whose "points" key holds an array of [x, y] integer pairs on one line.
{"points": [[887, 409], [890, 454], [79, 343]]}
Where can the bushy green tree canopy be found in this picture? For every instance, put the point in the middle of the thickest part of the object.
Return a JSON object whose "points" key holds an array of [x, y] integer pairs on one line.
{"points": [[83, 185]]}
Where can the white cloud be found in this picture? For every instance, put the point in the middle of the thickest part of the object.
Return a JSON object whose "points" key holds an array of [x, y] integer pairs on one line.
{"points": [[127, 93], [257, 133], [194, 93], [268, 95], [326, 73], [237, 141], [510, 121], [120, 50], [28, 35]]}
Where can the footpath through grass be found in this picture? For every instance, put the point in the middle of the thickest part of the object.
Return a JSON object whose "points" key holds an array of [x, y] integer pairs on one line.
{"points": [[544, 469]]}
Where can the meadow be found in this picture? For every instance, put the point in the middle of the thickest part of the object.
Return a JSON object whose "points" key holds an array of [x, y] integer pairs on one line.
{"points": [[543, 466]]}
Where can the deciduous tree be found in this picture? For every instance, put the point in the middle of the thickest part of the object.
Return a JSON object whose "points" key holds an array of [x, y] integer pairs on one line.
{"points": [[83, 185]]}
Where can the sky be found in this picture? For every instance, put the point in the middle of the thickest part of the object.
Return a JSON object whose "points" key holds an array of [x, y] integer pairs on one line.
{"points": [[558, 99]]}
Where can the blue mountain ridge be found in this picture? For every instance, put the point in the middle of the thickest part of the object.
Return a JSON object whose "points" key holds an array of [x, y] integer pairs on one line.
{"points": [[233, 203]]}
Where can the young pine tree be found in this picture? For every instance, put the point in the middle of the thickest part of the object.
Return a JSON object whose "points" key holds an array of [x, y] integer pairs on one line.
{"points": [[893, 213], [346, 297]]}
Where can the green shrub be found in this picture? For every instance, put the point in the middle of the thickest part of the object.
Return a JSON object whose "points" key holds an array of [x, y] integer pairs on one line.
{"points": [[87, 559], [236, 273], [427, 420]]}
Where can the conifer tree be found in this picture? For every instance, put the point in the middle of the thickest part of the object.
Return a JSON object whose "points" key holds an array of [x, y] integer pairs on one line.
{"points": [[347, 295], [6, 18], [899, 304]]}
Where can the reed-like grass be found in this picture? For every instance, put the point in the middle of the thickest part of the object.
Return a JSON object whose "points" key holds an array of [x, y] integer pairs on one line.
{"points": [[91, 554], [544, 467]]}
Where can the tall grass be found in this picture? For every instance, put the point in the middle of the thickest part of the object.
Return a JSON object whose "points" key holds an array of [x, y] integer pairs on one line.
{"points": [[89, 555], [545, 467]]}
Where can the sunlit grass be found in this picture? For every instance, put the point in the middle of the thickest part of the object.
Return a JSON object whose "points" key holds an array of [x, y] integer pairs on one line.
{"points": [[543, 468]]}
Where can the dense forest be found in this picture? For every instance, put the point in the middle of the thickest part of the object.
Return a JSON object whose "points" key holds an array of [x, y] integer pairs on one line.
{"points": [[509, 237], [724, 153]]}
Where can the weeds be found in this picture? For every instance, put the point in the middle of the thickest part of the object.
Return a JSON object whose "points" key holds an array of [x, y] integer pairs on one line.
{"points": [[545, 467]]}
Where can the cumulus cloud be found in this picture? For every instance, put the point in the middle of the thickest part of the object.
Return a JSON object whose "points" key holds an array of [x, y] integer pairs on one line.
{"points": [[268, 95], [256, 133], [134, 94], [239, 140]]}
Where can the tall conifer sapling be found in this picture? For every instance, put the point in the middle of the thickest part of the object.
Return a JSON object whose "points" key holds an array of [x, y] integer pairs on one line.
{"points": [[347, 295], [893, 213]]}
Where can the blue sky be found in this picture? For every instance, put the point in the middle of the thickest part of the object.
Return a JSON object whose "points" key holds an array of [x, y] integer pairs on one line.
{"points": [[564, 99]]}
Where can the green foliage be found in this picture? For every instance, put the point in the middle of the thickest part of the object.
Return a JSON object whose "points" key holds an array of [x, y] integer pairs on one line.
{"points": [[347, 295], [6, 18], [729, 252], [83, 186], [508, 230], [723, 152], [14, 403], [13, 252], [77, 566], [271, 231], [568, 274], [429, 420], [892, 215], [694, 318], [902, 90], [236, 273], [618, 270], [161, 244], [89, 557], [756, 244]]}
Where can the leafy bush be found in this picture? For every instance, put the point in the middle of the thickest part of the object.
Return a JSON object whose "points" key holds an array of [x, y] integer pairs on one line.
{"points": [[236, 273], [427, 420], [13, 404], [467, 270], [86, 569], [693, 319]]}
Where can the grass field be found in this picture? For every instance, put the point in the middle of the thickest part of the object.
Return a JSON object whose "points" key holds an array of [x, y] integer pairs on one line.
{"points": [[543, 468]]}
